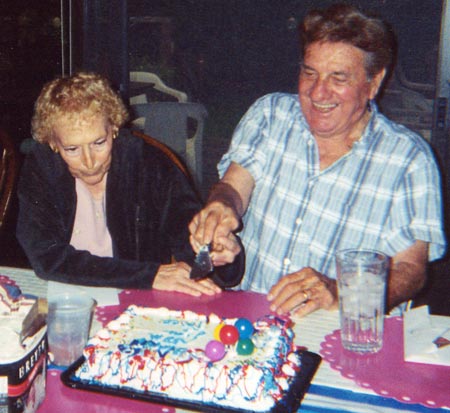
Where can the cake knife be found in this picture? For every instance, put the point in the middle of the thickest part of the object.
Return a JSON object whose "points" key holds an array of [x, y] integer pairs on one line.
{"points": [[34, 320], [202, 264]]}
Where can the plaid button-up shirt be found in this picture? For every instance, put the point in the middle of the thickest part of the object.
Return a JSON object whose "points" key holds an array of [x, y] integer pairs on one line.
{"points": [[384, 194]]}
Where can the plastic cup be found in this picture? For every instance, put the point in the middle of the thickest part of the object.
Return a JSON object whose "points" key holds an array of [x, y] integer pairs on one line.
{"points": [[361, 280], [68, 323]]}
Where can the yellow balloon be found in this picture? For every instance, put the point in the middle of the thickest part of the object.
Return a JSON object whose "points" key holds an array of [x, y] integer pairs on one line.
{"points": [[217, 331]]}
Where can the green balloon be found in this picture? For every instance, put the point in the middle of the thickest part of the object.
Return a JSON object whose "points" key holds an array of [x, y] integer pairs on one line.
{"points": [[245, 347]]}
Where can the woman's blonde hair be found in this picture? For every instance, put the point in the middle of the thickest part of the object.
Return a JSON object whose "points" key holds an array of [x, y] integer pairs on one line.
{"points": [[85, 94]]}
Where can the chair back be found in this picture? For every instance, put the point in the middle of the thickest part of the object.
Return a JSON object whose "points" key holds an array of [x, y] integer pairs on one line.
{"points": [[167, 151], [8, 173], [169, 123], [144, 80]]}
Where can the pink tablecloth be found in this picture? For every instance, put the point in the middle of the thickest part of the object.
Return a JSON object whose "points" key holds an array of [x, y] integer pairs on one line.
{"points": [[61, 399], [386, 372], [227, 304]]}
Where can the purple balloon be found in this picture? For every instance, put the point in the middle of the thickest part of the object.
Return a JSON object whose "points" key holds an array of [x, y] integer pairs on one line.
{"points": [[215, 350]]}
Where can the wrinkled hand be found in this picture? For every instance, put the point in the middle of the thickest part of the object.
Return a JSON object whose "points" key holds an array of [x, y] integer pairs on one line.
{"points": [[175, 277], [215, 225], [303, 292], [223, 252]]}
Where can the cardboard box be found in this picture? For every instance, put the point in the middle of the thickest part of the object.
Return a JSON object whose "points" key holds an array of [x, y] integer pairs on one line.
{"points": [[22, 381]]}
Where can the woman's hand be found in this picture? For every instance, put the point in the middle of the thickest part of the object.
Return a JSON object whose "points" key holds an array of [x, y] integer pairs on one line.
{"points": [[303, 292], [175, 277]]}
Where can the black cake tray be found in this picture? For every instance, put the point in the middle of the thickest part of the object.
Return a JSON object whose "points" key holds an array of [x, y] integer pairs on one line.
{"points": [[288, 404]]}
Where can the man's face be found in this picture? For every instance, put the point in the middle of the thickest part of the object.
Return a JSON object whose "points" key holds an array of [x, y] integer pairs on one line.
{"points": [[334, 88]]}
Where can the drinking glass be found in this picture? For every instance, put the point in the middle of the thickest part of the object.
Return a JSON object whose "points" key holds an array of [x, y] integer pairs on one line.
{"points": [[69, 320], [361, 281]]}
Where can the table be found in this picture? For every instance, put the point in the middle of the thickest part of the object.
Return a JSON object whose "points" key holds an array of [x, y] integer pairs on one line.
{"points": [[329, 391]]}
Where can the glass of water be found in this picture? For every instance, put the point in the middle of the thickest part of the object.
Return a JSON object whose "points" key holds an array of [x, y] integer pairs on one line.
{"points": [[361, 280]]}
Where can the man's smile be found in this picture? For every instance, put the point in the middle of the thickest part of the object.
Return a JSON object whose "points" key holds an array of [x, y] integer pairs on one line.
{"points": [[324, 107]]}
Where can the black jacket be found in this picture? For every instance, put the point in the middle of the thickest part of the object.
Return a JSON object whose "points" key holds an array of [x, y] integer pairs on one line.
{"points": [[149, 203]]}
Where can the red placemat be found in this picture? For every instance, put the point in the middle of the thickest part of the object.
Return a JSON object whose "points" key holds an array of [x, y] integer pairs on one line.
{"points": [[386, 372]]}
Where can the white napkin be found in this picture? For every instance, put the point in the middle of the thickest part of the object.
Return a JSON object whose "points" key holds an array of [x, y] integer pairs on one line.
{"points": [[425, 337], [104, 296]]}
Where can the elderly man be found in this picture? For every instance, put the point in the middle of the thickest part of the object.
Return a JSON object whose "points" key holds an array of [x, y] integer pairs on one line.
{"points": [[323, 171]]}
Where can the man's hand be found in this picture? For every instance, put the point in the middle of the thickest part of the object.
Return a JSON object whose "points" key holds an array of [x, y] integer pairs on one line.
{"points": [[303, 292], [214, 225], [226, 205], [224, 251], [175, 277]]}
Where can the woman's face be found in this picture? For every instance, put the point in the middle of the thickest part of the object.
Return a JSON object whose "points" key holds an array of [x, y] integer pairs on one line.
{"points": [[334, 88], [85, 144]]}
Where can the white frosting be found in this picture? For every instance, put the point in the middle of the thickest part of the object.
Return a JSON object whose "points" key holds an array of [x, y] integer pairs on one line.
{"points": [[10, 340], [11, 324], [162, 351]]}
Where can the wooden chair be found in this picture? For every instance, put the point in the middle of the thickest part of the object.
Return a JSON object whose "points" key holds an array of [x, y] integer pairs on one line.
{"points": [[167, 151], [8, 173]]}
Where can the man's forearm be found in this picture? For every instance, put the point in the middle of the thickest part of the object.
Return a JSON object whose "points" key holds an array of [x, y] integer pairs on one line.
{"points": [[405, 282], [227, 195]]}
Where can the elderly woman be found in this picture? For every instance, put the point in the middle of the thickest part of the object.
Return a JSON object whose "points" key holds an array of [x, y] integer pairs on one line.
{"points": [[314, 173], [100, 207]]}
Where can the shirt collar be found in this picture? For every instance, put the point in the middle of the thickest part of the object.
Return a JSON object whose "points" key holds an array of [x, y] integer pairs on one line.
{"points": [[369, 131]]}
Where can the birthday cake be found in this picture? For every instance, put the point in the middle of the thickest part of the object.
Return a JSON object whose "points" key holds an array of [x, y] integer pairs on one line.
{"points": [[188, 356]]}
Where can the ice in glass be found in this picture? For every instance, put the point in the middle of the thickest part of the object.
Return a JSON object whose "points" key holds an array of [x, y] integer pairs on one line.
{"points": [[361, 279]]}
